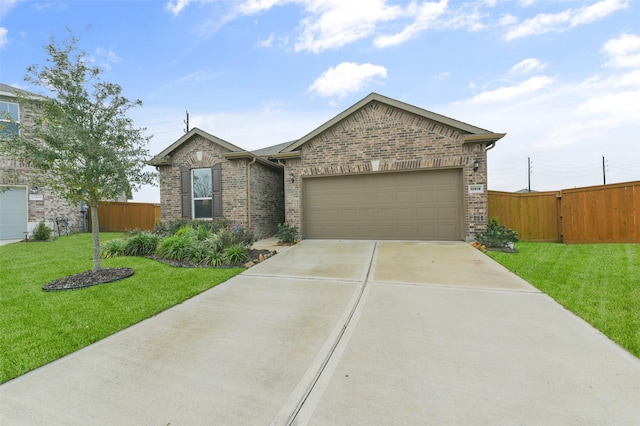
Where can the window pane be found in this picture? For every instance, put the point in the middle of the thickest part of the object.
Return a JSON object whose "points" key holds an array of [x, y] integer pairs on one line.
{"points": [[14, 111], [7, 128], [202, 183], [202, 209], [11, 109]]}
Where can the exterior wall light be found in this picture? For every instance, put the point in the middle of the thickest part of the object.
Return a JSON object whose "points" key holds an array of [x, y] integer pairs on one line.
{"points": [[292, 178], [34, 190], [476, 165]]}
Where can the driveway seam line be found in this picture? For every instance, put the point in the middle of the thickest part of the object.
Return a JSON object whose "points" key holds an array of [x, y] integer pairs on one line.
{"points": [[326, 360], [456, 287]]}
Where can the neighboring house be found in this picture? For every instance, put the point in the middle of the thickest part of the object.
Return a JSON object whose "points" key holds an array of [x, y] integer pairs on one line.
{"points": [[382, 169], [24, 201]]}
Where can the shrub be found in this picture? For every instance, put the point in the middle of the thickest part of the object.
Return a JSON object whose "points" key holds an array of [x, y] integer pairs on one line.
{"points": [[235, 235], [141, 244], [496, 235], [42, 232], [176, 247], [113, 248], [235, 254], [286, 233], [172, 226]]}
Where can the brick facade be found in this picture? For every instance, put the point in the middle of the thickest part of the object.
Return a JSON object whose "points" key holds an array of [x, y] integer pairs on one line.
{"points": [[266, 186], [42, 204], [400, 141]]}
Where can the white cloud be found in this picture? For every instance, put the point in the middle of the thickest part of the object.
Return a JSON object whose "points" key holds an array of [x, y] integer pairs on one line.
{"points": [[176, 6], [335, 23], [503, 94], [527, 66], [623, 51], [550, 22], [427, 15], [250, 7], [345, 78], [508, 20], [3, 36]]}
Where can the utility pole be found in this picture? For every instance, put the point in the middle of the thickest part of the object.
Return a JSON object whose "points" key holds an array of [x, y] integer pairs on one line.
{"points": [[529, 173], [604, 172], [187, 123]]}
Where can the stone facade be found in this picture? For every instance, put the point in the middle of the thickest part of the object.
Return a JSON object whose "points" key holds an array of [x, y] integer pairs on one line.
{"points": [[396, 140], [42, 203], [266, 190]]}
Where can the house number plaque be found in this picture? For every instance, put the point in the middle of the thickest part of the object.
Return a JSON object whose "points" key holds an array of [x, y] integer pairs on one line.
{"points": [[476, 189]]}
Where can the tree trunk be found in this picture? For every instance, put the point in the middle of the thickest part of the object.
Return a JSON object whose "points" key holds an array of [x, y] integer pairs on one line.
{"points": [[95, 232]]}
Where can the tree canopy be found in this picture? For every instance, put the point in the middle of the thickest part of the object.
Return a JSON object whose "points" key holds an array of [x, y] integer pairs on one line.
{"points": [[83, 142]]}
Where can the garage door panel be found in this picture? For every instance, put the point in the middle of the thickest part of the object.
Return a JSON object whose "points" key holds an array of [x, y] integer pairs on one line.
{"points": [[403, 205], [13, 213]]}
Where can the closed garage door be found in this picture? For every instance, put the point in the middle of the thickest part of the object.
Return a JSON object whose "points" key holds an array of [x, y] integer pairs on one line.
{"points": [[424, 205], [13, 213]]}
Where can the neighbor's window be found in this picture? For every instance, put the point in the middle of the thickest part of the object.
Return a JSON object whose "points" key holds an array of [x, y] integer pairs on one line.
{"points": [[202, 191], [9, 111]]}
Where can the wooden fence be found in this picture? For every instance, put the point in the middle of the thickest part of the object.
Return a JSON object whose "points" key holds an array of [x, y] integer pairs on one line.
{"points": [[120, 217], [534, 215], [595, 214]]}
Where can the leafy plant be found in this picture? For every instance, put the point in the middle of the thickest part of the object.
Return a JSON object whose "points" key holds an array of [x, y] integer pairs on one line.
{"points": [[496, 235], [141, 244], [41, 232], [235, 254], [286, 233], [177, 247], [113, 248]]}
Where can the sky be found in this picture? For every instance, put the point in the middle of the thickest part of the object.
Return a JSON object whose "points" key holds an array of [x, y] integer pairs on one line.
{"points": [[560, 78]]}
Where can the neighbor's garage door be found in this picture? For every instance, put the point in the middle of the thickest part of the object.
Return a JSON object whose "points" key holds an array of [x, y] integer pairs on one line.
{"points": [[13, 213], [423, 205]]}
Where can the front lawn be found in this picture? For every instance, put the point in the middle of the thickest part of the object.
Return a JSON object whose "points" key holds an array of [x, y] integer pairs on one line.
{"points": [[39, 327], [598, 282]]}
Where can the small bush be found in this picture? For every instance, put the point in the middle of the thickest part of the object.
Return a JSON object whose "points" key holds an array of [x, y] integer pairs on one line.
{"points": [[42, 232], [286, 233], [235, 235], [141, 244], [235, 254], [177, 247], [170, 227], [113, 248], [496, 235]]}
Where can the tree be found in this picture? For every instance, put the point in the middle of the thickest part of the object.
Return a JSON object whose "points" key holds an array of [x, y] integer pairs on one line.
{"points": [[84, 144]]}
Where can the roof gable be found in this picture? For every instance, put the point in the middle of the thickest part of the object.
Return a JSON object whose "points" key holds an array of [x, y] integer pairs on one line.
{"points": [[464, 128], [161, 159]]}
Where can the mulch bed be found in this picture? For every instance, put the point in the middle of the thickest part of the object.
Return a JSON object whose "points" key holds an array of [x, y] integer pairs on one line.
{"points": [[107, 275], [88, 279]]}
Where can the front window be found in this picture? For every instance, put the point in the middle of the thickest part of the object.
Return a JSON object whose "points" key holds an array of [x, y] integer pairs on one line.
{"points": [[9, 112], [202, 191]]}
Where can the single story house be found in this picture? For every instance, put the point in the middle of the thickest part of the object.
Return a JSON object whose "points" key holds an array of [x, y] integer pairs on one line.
{"points": [[24, 201], [381, 169]]}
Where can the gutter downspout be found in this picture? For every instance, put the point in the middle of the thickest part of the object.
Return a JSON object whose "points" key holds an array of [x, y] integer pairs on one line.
{"points": [[251, 163]]}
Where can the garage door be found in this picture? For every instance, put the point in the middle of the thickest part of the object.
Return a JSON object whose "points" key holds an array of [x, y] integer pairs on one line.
{"points": [[424, 205], [13, 213]]}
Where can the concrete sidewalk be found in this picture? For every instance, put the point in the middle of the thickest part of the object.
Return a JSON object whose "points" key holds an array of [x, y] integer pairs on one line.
{"points": [[346, 332]]}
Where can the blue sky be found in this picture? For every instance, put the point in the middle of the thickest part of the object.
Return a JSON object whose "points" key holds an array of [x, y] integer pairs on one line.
{"points": [[561, 78]]}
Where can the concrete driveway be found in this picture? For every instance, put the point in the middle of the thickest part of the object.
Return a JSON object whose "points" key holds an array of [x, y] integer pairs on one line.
{"points": [[346, 332]]}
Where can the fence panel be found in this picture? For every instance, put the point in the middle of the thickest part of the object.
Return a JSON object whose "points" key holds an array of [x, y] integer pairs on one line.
{"points": [[602, 214], [120, 217], [534, 215]]}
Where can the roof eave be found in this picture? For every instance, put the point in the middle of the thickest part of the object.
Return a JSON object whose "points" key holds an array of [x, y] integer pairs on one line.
{"points": [[250, 156]]}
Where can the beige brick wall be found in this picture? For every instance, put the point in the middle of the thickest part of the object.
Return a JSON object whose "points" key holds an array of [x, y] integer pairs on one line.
{"points": [[234, 178], [399, 141], [267, 199], [19, 174], [266, 186]]}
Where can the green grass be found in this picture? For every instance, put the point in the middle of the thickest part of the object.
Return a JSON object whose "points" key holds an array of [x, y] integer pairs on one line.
{"points": [[39, 327], [598, 282]]}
